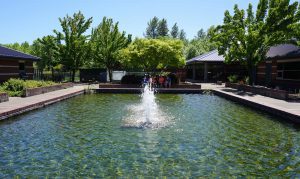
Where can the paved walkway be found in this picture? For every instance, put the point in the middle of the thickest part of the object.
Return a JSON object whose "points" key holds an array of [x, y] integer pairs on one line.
{"points": [[18, 105], [281, 107]]}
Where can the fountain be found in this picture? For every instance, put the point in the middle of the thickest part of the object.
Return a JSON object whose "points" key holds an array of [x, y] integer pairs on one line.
{"points": [[147, 113]]}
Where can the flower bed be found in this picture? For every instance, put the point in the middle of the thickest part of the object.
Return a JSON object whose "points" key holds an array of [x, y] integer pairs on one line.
{"points": [[46, 89], [3, 97], [273, 93]]}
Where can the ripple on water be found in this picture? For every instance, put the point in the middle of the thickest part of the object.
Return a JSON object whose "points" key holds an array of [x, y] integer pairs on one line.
{"points": [[188, 135]]}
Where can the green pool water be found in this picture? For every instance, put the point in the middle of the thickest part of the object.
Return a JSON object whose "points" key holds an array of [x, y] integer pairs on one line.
{"points": [[194, 136]]}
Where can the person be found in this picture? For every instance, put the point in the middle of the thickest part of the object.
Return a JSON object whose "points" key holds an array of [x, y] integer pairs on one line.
{"points": [[165, 82], [145, 81], [161, 81], [154, 81], [169, 82], [150, 82]]}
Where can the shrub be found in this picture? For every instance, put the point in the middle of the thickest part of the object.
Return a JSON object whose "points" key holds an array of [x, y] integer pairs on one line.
{"points": [[15, 87], [233, 78], [132, 79], [247, 80]]}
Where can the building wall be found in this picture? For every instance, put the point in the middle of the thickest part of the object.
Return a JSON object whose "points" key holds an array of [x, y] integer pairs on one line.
{"points": [[216, 71], [9, 68], [269, 73]]}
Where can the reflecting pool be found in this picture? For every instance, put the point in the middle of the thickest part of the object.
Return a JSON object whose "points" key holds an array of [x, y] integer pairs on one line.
{"points": [[114, 135]]}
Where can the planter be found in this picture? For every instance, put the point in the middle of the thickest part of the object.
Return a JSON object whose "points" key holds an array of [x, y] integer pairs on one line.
{"points": [[42, 90], [3, 97], [278, 94]]}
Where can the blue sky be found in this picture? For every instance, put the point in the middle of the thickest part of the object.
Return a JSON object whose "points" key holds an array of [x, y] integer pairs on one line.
{"points": [[26, 20]]}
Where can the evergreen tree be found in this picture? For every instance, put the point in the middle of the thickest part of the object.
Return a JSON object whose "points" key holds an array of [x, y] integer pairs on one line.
{"points": [[201, 34], [162, 28], [175, 31], [182, 35], [151, 31]]}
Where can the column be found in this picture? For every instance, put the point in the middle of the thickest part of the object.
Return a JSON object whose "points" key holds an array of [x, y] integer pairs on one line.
{"points": [[205, 72], [194, 71]]}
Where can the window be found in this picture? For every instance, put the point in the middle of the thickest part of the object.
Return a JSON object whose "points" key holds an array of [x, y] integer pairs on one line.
{"points": [[288, 70], [21, 66]]}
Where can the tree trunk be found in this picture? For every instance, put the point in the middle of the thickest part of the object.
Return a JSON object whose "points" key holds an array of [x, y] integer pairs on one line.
{"points": [[52, 73], [252, 74], [73, 75], [110, 74], [41, 74]]}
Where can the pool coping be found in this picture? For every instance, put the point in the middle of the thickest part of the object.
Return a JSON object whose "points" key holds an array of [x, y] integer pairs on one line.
{"points": [[273, 110], [268, 108], [36, 105]]}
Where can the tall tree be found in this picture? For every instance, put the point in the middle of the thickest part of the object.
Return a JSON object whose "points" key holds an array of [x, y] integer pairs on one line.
{"points": [[47, 49], [182, 35], [107, 41], [201, 34], [246, 37], [73, 41], [175, 31], [151, 31], [162, 28]]}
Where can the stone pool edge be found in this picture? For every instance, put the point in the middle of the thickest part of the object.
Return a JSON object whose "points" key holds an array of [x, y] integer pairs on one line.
{"points": [[256, 105], [34, 106], [262, 107]]}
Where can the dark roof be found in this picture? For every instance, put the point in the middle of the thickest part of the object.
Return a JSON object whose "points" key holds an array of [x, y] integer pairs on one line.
{"points": [[283, 51], [211, 56], [276, 52], [10, 53]]}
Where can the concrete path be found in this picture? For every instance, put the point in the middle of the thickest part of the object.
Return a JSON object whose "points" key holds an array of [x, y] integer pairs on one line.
{"points": [[285, 109], [18, 105]]}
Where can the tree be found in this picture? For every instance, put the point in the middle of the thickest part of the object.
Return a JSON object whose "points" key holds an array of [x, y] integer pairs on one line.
{"points": [[152, 54], [175, 31], [246, 37], [162, 28], [182, 35], [201, 34], [73, 43], [151, 31], [107, 41], [23, 47], [47, 49]]}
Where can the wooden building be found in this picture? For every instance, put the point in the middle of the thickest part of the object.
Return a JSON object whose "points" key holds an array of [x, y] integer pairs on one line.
{"points": [[210, 67], [282, 68], [15, 64]]}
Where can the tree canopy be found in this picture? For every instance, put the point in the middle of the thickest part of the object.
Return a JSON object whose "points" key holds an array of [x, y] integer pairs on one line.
{"points": [[154, 54], [48, 50], [106, 42], [246, 37], [74, 47], [175, 31], [200, 44], [151, 31], [162, 28]]}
